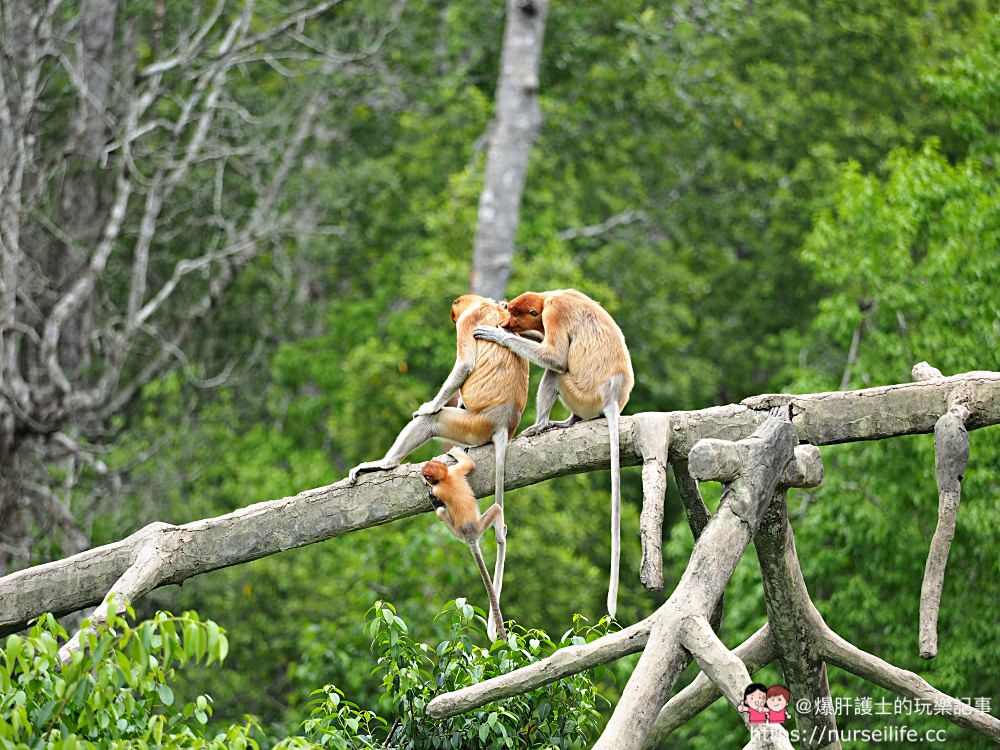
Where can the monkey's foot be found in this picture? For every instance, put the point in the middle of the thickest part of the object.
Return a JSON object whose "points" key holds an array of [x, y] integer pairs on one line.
{"points": [[426, 410], [352, 475], [538, 429]]}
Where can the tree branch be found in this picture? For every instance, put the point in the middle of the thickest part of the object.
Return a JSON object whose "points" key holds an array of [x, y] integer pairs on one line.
{"points": [[139, 578], [755, 652], [794, 621], [726, 671], [713, 560], [266, 528], [517, 120], [842, 654], [653, 439], [951, 457], [562, 663]]}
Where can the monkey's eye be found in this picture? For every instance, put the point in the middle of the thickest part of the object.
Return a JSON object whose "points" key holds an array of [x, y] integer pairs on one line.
{"points": [[533, 313]]}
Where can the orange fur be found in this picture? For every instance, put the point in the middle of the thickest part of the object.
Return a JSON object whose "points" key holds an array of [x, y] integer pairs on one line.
{"points": [[581, 335], [587, 366], [493, 383], [499, 377], [452, 488], [461, 515]]}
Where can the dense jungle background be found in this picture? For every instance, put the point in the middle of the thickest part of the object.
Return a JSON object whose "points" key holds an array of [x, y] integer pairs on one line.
{"points": [[784, 196]]}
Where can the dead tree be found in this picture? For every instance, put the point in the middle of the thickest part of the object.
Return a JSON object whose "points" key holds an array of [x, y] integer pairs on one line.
{"points": [[512, 133], [756, 456], [139, 175]]}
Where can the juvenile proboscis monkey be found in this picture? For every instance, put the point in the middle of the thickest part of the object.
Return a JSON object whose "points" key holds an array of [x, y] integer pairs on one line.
{"points": [[460, 513], [587, 365], [493, 383]]}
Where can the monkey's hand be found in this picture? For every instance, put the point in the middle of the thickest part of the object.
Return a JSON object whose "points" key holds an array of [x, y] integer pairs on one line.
{"points": [[491, 333], [457, 453], [426, 409]]}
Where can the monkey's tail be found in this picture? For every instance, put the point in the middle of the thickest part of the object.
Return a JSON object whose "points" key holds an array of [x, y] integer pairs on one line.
{"points": [[490, 591], [612, 412]]}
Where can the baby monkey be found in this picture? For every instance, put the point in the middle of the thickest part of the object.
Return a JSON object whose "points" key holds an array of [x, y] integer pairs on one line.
{"points": [[456, 506]]}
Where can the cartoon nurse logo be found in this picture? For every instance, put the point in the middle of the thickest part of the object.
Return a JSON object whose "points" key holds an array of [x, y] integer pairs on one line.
{"points": [[765, 705], [754, 703], [777, 702]]}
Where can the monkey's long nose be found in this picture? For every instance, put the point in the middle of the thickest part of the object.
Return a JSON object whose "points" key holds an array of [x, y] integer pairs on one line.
{"points": [[505, 323]]}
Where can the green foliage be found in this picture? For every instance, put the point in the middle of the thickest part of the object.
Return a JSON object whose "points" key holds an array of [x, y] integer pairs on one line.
{"points": [[911, 257], [561, 715], [114, 691]]}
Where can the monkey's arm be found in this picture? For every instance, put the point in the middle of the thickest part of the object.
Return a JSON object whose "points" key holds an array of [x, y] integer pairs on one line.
{"points": [[465, 463], [540, 354], [458, 375], [442, 513]]}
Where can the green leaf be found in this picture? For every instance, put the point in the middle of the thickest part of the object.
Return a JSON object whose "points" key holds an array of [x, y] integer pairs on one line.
{"points": [[166, 694]]}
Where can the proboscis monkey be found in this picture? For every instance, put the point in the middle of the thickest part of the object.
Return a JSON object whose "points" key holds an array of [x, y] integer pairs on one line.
{"points": [[493, 383], [460, 514], [587, 365]]}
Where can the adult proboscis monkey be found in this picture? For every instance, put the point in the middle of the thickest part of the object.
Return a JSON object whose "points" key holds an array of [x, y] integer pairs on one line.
{"points": [[493, 383], [587, 365]]}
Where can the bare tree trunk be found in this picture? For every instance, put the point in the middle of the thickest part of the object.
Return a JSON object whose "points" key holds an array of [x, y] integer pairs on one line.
{"points": [[515, 126], [84, 194]]}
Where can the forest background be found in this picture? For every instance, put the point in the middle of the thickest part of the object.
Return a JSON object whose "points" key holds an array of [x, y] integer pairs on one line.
{"points": [[783, 196]]}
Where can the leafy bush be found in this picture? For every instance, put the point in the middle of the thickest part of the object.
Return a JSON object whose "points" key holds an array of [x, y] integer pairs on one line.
{"points": [[561, 715], [114, 692]]}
